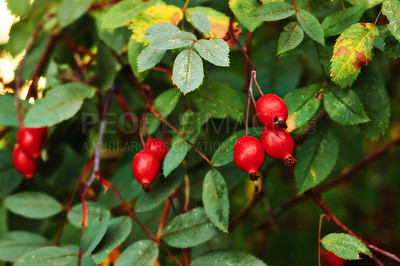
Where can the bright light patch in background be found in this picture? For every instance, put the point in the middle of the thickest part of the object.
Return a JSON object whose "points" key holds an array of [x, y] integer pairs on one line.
{"points": [[6, 20]]}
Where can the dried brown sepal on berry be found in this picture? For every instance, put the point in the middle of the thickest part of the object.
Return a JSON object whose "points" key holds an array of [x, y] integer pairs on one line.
{"points": [[254, 176], [290, 161], [146, 187]]}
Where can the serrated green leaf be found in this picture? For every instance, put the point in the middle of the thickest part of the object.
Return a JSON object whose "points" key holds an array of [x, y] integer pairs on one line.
{"points": [[345, 246], [227, 257], [215, 199], [310, 24], [372, 93], [60, 103], [302, 105], [161, 189], [134, 50], [201, 22], [94, 232], [48, 256], [117, 231], [10, 179], [159, 28], [215, 50], [352, 50], [242, 10], [149, 57], [172, 40], [140, 253], [71, 10], [336, 23], [391, 9], [105, 68], [18, 7], [291, 36], [224, 154], [94, 211], [318, 157], [175, 155], [219, 100], [189, 229], [165, 103], [34, 205], [344, 106], [15, 244], [273, 11], [188, 71]]}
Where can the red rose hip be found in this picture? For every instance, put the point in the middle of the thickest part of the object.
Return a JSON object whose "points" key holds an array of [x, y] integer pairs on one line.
{"points": [[24, 163], [272, 111], [330, 259], [248, 155], [279, 145], [145, 166], [158, 147], [31, 140]]}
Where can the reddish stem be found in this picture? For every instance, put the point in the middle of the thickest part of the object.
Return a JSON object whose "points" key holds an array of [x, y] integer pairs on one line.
{"points": [[164, 218]]}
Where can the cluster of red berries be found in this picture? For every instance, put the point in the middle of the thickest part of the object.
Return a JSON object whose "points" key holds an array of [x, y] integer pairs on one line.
{"points": [[27, 150], [275, 140], [146, 163]]}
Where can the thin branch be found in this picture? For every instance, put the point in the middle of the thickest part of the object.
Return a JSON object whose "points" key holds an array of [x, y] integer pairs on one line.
{"points": [[187, 193], [102, 5]]}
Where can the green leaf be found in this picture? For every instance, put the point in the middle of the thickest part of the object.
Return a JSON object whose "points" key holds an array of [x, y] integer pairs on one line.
{"points": [[188, 71], [122, 181], [105, 68], [201, 22], [391, 45], [219, 100], [161, 188], [140, 253], [165, 103], [273, 11], [18, 7], [318, 157], [159, 28], [117, 231], [224, 154], [191, 123], [215, 51], [352, 50], [302, 105], [34, 205], [310, 24], [172, 40], [48, 256], [94, 211], [391, 9], [60, 103], [189, 229], [10, 179], [116, 39], [71, 10], [15, 244], [175, 155], [149, 57], [227, 257], [8, 111], [372, 93], [122, 13], [343, 106], [134, 50], [368, 3], [94, 232], [242, 10], [291, 36], [336, 23], [345, 246], [215, 199]]}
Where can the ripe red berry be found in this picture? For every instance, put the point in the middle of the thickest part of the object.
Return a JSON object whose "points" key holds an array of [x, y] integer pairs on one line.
{"points": [[279, 145], [248, 155], [158, 147], [24, 163], [330, 259], [272, 111], [31, 140], [145, 166]]}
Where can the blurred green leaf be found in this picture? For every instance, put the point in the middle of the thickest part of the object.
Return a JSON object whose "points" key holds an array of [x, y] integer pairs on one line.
{"points": [[71, 10], [189, 229], [94, 211], [227, 257], [367, 3], [337, 22], [273, 11], [188, 71], [94, 233], [345, 246], [18, 7], [106, 67], [242, 10], [48, 256], [10, 179], [143, 252], [134, 50]]}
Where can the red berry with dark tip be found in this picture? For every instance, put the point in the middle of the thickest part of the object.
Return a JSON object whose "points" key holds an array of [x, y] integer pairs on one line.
{"points": [[249, 155], [145, 166], [31, 140], [24, 163], [272, 111], [279, 145], [158, 147], [330, 259]]}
